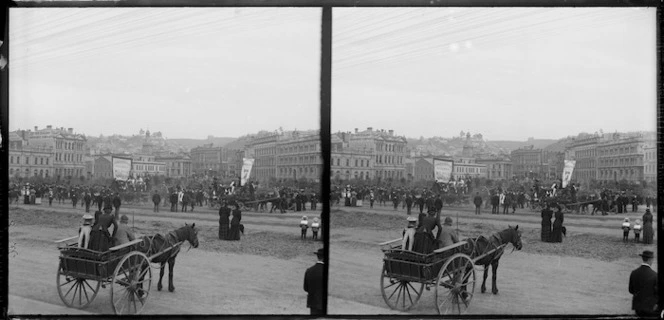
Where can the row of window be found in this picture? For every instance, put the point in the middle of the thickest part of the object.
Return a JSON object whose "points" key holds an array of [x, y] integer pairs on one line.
{"points": [[65, 172], [615, 151], [68, 157], [459, 169], [303, 170], [389, 173], [295, 160], [69, 145], [37, 160], [300, 148], [389, 159], [620, 174], [148, 167], [360, 163], [363, 175], [18, 172], [389, 147], [619, 162]]}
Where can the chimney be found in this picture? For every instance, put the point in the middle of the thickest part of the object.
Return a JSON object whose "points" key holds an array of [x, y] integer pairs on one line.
{"points": [[70, 130], [355, 130], [36, 128], [49, 127], [391, 132], [370, 129]]}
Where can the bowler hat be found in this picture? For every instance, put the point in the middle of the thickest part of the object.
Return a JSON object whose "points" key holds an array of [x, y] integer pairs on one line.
{"points": [[448, 221], [647, 254], [320, 253], [124, 219]]}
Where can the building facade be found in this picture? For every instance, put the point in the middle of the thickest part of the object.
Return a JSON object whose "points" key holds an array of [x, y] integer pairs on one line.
{"points": [[623, 157], [497, 169], [103, 167], [145, 164], [389, 151], [208, 159], [27, 161], [299, 156], [527, 162], [176, 166], [348, 163], [650, 163], [467, 167], [584, 151], [264, 149], [423, 169], [69, 149]]}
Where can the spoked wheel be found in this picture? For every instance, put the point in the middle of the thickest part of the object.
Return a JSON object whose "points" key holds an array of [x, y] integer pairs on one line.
{"points": [[455, 285], [76, 292], [400, 294], [131, 284]]}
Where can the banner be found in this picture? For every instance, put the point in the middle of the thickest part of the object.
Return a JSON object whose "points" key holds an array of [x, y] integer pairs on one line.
{"points": [[121, 168], [442, 170], [246, 170], [567, 172]]}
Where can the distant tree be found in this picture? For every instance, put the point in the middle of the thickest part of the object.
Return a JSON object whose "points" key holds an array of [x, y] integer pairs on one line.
{"points": [[461, 134]]}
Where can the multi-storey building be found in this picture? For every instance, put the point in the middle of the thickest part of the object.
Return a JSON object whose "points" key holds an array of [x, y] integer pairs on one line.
{"points": [[145, 164], [527, 162], [467, 167], [176, 165], [103, 167], [622, 156], [497, 168], [423, 169], [264, 150], [69, 148], [29, 161], [298, 156], [650, 163], [584, 151], [208, 159], [235, 161], [349, 163], [389, 151]]}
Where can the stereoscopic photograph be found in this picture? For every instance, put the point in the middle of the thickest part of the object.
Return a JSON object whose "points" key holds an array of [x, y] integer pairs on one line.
{"points": [[165, 161], [493, 161]]}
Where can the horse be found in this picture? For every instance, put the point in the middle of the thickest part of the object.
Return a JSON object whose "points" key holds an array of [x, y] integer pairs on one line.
{"points": [[152, 245], [481, 245]]}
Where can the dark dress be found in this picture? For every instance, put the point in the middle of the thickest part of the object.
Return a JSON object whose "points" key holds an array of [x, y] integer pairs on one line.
{"points": [[648, 233], [547, 214], [224, 214], [557, 234], [236, 227], [100, 238]]}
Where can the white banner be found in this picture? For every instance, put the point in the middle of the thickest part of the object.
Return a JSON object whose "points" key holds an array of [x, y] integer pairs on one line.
{"points": [[121, 168], [246, 170], [442, 170], [567, 172]]}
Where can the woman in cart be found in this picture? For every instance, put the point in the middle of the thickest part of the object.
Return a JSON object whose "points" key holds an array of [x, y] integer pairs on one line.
{"points": [[100, 238]]}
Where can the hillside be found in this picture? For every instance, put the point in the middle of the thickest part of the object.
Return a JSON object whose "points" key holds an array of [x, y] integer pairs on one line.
{"points": [[192, 143], [440, 146]]}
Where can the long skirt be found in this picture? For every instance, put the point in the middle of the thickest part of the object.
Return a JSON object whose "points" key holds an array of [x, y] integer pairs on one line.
{"points": [[648, 233], [546, 232], [557, 234], [234, 232], [100, 240], [223, 230]]}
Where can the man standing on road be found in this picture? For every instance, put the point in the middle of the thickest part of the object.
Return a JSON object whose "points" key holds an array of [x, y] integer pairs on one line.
{"points": [[87, 199], [313, 284], [478, 202], [156, 198], [116, 204], [643, 287]]}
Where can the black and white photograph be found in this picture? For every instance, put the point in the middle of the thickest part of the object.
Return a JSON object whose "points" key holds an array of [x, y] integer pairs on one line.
{"points": [[493, 161], [165, 161]]}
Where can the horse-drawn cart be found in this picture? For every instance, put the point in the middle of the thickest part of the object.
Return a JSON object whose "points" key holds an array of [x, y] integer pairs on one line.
{"points": [[127, 270], [448, 270]]}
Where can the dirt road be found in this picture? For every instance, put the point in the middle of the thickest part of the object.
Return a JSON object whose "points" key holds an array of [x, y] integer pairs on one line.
{"points": [[586, 274], [261, 274]]}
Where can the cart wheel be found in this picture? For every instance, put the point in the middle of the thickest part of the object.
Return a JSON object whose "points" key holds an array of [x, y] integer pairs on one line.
{"points": [[403, 295], [131, 283], [455, 286], [76, 292]]}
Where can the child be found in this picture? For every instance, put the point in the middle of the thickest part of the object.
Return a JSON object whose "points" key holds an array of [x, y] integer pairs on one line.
{"points": [[409, 234], [626, 227], [315, 225], [304, 225], [84, 232], [637, 230]]}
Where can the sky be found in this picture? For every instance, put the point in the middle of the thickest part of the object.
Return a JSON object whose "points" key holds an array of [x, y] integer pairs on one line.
{"points": [[187, 72], [508, 73]]}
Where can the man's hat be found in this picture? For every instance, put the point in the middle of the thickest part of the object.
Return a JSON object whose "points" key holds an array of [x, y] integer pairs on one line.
{"points": [[108, 208], [431, 210], [647, 254], [411, 219], [87, 219], [320, 253], [448, 221], [124, 219]]}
